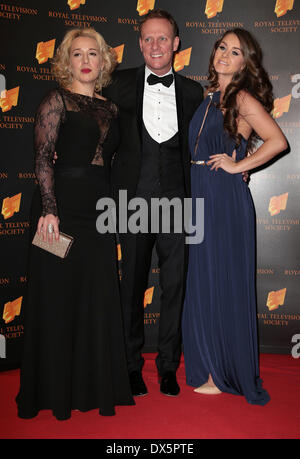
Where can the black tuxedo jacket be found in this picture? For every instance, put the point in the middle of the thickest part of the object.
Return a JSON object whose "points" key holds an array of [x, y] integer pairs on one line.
{"points": [[127, 91]]}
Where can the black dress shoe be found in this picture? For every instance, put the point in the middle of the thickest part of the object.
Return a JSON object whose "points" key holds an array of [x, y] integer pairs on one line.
{"points": [[169, 385], [138, 387]]}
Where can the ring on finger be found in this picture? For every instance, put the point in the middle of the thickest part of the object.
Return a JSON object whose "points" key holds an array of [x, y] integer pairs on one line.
{"points": [[50, 228]]}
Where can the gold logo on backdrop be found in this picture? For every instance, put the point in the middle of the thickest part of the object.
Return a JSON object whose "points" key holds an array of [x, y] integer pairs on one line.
{"points": [[10, 206], [276, 299], [119, 50], [148, 296], [277, 203], [9, 99], [182, 59], [45, 50], [12, 309], [119, 252], [283, 6], [143, 6], [281, 105], [74, 4], [213, 7]]}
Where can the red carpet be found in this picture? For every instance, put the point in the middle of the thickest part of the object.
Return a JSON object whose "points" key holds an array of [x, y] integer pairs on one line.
{"points": [[188, 416]]}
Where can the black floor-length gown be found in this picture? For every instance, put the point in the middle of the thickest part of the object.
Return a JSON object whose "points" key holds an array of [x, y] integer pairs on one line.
{"points": [[74, 355]]}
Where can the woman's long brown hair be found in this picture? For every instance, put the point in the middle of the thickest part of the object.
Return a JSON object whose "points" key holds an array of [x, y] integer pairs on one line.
{"points": [[253, 79]]}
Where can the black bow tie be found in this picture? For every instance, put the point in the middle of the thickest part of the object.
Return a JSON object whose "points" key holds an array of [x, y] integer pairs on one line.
{"points": [[167, 80]]}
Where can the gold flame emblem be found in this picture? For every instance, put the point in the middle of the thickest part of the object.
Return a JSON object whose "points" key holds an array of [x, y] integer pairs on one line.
{"points": [[283, 6], [148, 296], [9, 99], [278, 203], [45, 50], [213, 7], [12, 309], [143, 6], [74, 4], [276, 299], [281, 106], [119, 50], [182, 59], [11, 205]]}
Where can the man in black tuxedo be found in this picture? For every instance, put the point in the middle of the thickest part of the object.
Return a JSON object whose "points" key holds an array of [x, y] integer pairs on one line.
{"points": [[153, 160]]}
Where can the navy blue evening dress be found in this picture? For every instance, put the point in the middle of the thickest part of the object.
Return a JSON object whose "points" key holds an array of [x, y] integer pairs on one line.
{"points": [[219, 314]]}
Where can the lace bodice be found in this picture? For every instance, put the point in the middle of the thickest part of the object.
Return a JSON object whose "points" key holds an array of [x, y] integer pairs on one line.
{"points": [[63, 115]]}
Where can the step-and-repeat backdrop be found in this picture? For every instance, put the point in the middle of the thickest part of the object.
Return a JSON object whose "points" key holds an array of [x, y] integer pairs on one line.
{"points": [[30, 32]]}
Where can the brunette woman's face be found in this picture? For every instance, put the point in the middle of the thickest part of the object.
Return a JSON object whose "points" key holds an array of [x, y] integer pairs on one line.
{"points": [[229, 58]]}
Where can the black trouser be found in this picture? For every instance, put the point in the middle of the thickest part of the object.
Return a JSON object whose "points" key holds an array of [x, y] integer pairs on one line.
{"points": [[136, 263]]}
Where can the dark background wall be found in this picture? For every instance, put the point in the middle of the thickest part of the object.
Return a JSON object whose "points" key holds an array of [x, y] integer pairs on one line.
{"points": [[25, 74]]}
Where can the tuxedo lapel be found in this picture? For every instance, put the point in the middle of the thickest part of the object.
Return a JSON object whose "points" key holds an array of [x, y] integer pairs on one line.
{"points": [[180, 106], [140, 83]]}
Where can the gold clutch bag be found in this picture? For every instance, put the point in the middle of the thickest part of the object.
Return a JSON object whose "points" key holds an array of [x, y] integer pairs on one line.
{"points": [[59, 248]]}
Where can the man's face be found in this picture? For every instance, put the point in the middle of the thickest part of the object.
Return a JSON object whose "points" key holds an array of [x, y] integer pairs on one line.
{"points": [[157, 43]]}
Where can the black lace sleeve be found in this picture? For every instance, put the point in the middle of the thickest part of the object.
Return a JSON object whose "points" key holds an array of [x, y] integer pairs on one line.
{"points": [[47, 122]]}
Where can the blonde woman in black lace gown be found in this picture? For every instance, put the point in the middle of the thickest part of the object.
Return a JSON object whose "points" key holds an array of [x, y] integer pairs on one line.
{"points": [[74, 354]]}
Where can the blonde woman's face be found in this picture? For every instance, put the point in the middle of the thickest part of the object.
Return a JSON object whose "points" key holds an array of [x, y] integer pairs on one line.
{"points": [[85, 60]]}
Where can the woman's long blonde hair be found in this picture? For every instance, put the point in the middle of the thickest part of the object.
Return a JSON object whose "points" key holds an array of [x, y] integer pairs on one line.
{"points": [[61, 61]]}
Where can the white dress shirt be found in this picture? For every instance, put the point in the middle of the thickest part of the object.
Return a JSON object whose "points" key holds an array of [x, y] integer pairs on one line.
{"points": [[159, 109]]}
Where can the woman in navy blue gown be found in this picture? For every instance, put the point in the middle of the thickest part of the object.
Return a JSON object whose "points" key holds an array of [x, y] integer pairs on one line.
{"points": [[219, 315]]}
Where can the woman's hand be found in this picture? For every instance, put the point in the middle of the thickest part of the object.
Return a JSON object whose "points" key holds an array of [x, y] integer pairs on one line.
{"points": [[45, 229], [225, 162], [246, 176]]}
